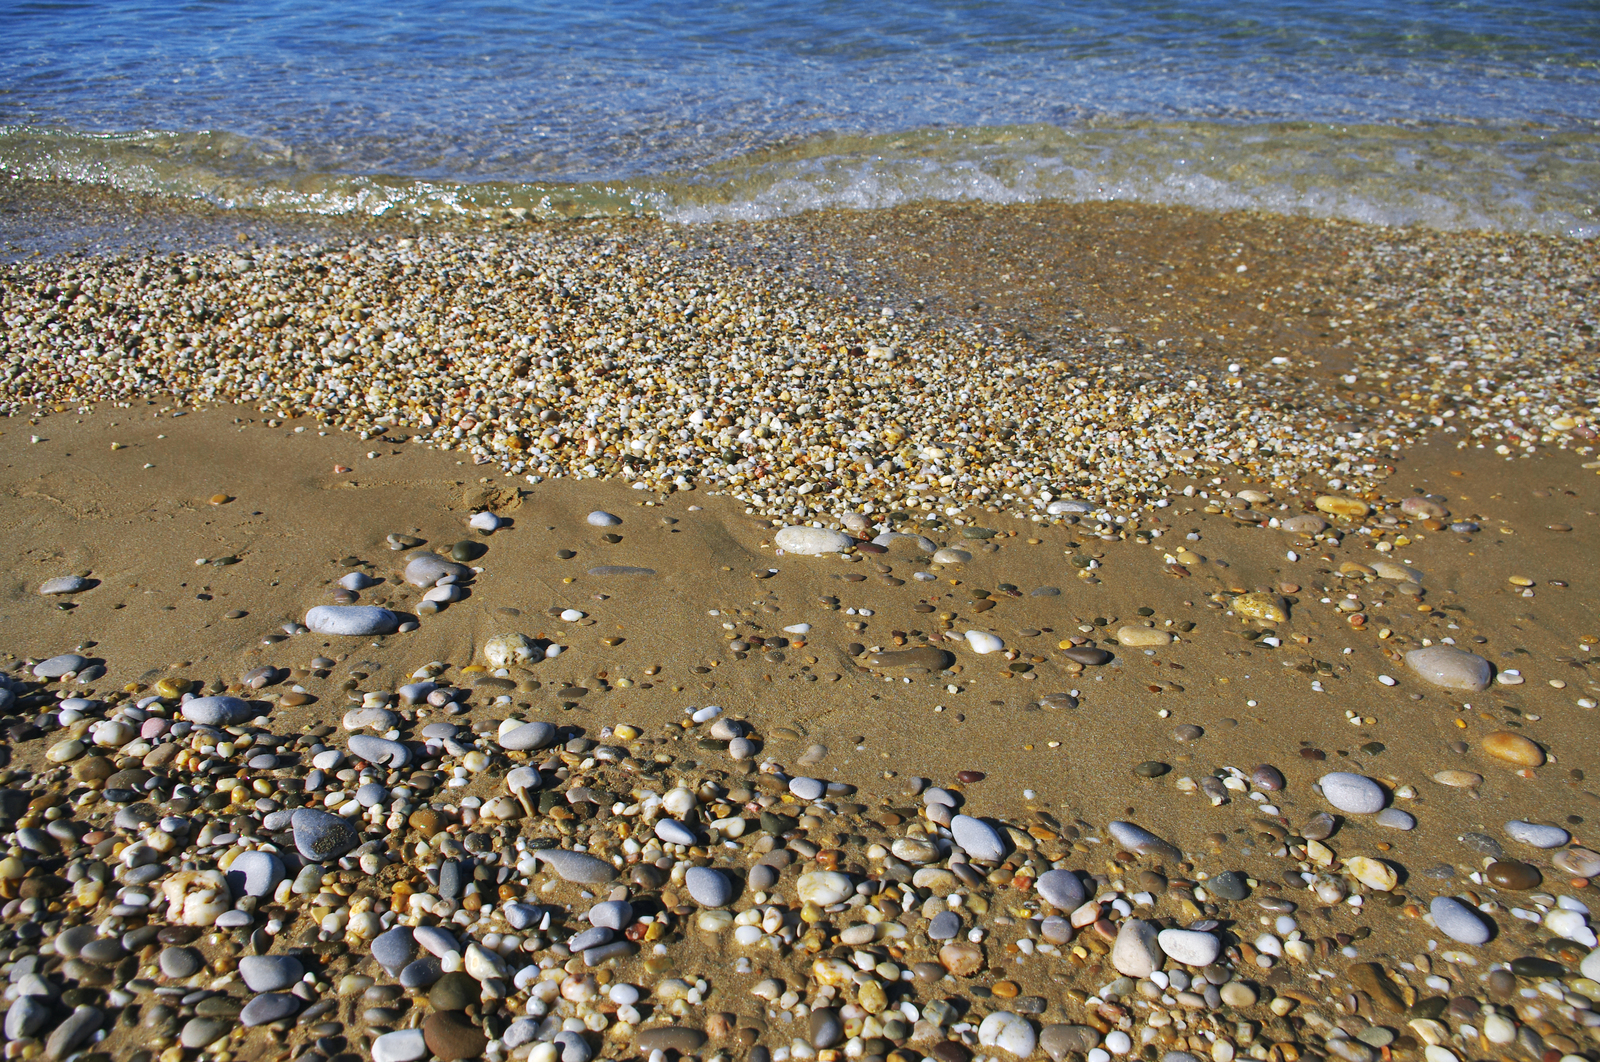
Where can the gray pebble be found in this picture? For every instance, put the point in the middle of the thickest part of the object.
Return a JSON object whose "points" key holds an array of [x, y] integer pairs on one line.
{"points": [[1395, 819], [178, 963], [1141, 841], [807, 788], [709, 887], [600, 518], [379, 751], [528, 736], [421, 973], [612, 914], [1353, 793], [1451, 668], [945, 926], [270, 973], [57, 666], [978, 839], [78, 1027], [65, 584], [352, 620], [199, 1033], [426, 569], [1536, 835], [1458, 921], [762, 877], [577, 867], [593, 937], [26, 1017], [268, 1008], [320, 836], [218, 711], [1061, 889], [674, 832]]}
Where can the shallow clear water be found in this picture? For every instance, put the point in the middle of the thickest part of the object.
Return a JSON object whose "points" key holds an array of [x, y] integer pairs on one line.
{"points": [[1480, 114]]}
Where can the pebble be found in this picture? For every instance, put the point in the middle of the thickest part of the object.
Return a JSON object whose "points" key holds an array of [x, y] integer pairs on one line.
{"points": [[1458, 921], [394, 948], [59, 666], [1536, 835], [320, 836], [179, 963], [1353, 793], [379, 751], [674, 832], [984, 643], [614, 914], [676, 1038], [1007, 1032], [1395, 819], [452, 1037], [812, 541], [1136, 951], [255, 873], [1450, 668], [511, 649], [269, 1007], [1189, 947], [1509, 874], [709, 887], [426, 569], [1139, 840], [926, 657], [270, 973], [599, 518], [978, 839], [945, 926], [1266, 777], [64, 584], [218, 711], [1062, 1042], [807, 788], [951, 556], [1334, 505], [1061, 889], [351, 620], [1579, 862], [1143, 637], [823, 887], [1513, 749], [1088, 655], [1305, 524], [402, 1045], [527, 736], [579, 867]]}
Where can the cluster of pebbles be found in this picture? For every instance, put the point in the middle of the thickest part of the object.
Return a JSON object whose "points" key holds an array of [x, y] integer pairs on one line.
{"points": [[445, 875], [649, 355]]}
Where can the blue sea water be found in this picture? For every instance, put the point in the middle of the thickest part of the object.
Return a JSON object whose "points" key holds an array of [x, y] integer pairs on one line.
{"points": [[1480, 113]]}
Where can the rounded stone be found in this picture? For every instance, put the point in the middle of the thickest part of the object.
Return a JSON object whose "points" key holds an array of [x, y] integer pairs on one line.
{"points": [[983, 643], [527, 737], [426, 569], [1189, 947], [1518, 877], [1143, 637], [1229, 885], [57, 666], [1353, 793], [268, 1008], [1450, 668], [1061, 1042], [320, 836], [600, 518], [507, 650], [1136, 951], [677, 1038], [1007, 1032], [709, 887], [945, 926], [812, 541], [255, 873], [270, 973], [451, 1037], [199, 1033], [1395, 819], [1579, 862], [218, 711], [580, 868], [978, 839], [402, 1045], [1536, 835], [179, 962], [393, 949], [1458, 921], [1513, 749], [807, 788], [1061, 889], [64, 584], [352, 620], [379, 751], [823, 887]]}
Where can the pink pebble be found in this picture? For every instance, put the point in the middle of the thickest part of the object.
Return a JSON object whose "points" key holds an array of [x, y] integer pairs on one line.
{"points": [[153, 728]]}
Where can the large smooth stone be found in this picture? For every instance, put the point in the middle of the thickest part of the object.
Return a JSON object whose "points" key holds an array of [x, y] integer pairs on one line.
{"points": [[352, 620], [709, 887], [1337, 506], [402, 1045], [268, 1008], [270, 973], [393, 949], [1513, 749], [1451, 668], [577, 867], [1066, 506], [1061, 889], [812, 541], [218, 711], [1353, 793], [1063, 1041], [528, 736], [1305, 524], [924, 656], [507, 650], [1007, 1032], [320, 836], [1137, 951], [600, 518], [1190, 947], [451, 1037], [379, 751], [1458, 921], [57, 666], [978, 839], [1142, 637], [983, 643], [1536, 835], [65, 584], [949, 555], [824, 887], [1141, 841], [255, 873], [426, 569]]}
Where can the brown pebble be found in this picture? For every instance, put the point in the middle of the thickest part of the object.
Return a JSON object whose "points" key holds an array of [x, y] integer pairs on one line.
{"points": [[1508, 874], [1006, 989], [220, 499], [968, 777]]}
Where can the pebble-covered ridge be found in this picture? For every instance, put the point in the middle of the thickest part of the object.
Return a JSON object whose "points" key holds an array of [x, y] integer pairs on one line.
{"points": [[587, 352]]}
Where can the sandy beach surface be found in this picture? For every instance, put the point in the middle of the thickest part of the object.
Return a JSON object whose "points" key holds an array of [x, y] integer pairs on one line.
{"points": [[1195, 658]]}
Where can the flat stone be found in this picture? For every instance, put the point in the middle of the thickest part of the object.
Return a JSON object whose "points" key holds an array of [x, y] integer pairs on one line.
{"points": [[1261, 606], [1426, 508], [577, 867], [1536, 835], [1353, 793], [1142, 637], [1058, 702], [1510, 874], [825, 1028], [255, 873], [454, 991], [73, 1030], [812, 541], [1304, 524], [1137, 951], [709, 887], [978, 839], [1061, 889], [1229, 885], [26, 1017], [402, 1045], [57, 666], [824, 887], [218, 711], [945, 926], [1335, 505], [1141, 841], [268, 1008], [320, 836], [612, 914], [951, 556], [807, 788], [600, 518], [1090, 656], [924, 657], [199, 1033], [64, 584], [379, 751], [1064, 506], [420, 973], [426, 569], [528, 736], [983, 643], [451, 1037], [1458, 921], [1371, 978], [352, 620], [1395, 819], [270, 973], [674, 832], [620, 569], [1450, 668], [1579, 862]]}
